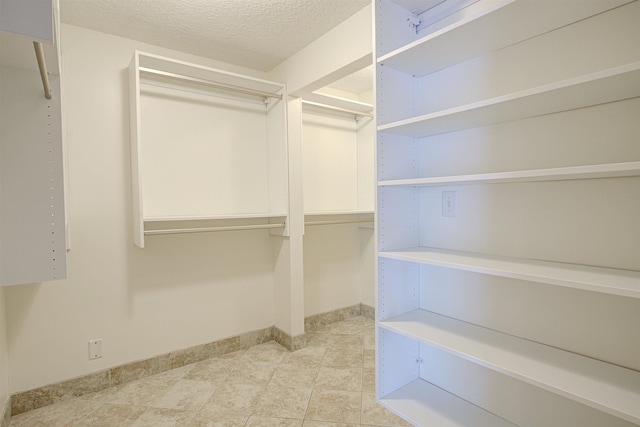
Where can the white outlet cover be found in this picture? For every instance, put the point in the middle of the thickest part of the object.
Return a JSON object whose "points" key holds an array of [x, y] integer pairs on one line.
{"points": [[95, 349], [449, 204]]}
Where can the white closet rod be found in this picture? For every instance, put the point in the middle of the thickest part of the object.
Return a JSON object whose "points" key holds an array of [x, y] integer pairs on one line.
{"points": [[43, 69], [219, 86], [332, 107], [338, 221], [212, 229]]}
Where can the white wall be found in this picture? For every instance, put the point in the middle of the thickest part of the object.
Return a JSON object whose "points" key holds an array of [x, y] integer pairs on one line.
{"points": [[4, 355], [179, 291]]}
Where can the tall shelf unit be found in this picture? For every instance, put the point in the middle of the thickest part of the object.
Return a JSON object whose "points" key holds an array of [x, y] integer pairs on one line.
{"points": [[508, 286], [33, 232], [209, 149]]}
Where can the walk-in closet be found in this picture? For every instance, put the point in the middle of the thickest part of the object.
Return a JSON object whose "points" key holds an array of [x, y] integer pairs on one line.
{"points": [[320, 213]]}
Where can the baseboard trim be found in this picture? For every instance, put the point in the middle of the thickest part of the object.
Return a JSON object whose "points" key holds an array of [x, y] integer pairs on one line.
{"points": [[289, 342], [5, 412], [97, 381], [367, 311], [46, 395], [318, 321]]}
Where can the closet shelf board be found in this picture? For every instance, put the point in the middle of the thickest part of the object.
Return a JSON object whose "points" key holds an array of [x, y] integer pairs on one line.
{"points": [[606, 387], [169, 65], [424, 404], [611, 281], [339, 102], [488, 30], [613, 170], [613, 84], [354, 212], [214, 217]]}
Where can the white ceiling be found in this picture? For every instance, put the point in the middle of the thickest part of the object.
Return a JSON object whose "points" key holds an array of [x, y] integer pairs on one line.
{"points": [[257, 34]]}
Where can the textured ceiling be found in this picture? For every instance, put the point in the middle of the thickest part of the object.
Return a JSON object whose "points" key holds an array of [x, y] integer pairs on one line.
{"points": [[257, 34]]}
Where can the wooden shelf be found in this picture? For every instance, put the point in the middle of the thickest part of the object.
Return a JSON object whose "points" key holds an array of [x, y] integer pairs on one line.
{"points": [[424, 404], [613, 170], [614, 84], [487, 30], [603, 386], [624, 283]]}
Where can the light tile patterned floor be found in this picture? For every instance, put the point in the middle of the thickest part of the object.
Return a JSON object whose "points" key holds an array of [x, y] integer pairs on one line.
{"points": [[328, 384]]}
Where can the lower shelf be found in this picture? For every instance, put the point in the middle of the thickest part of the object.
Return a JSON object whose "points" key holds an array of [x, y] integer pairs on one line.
{"points": [[424, 404], [603, 386]]}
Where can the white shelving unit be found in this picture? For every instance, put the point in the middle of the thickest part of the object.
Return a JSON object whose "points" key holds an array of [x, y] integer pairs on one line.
{"points": [[33, 234], [455, 78], [190, 126]]}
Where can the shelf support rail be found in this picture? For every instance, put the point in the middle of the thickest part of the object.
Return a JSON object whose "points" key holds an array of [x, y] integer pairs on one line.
{"points": [[212, 84], [215, 229], [339, 221], [43, 69], [358, 114]]}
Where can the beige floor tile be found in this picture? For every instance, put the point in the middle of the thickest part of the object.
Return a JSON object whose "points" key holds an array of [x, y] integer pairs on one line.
{"points": [[343, 357], [218, 419], [62, 413], [250, 372], [351, 341], [317, 339], [258, 421], [294, 376], [284, 402], [335, 406], [348, 328], [163, 417], [267, 352], [369, 359], [186, 395], [368, 380], [235, 398], [110, 415], [309, 423], [214, 370], [375, 414], [348, 379], [369, 342], [141, 392], [306, 356]]}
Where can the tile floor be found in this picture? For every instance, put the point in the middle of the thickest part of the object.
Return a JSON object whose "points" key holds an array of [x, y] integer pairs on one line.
{"points": [[328, 384]]}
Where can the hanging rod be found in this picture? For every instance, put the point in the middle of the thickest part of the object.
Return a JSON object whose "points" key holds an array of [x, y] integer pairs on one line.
{"points": [[212, 229], [43, 69], [338, 221], [220, 86], [332, 107]]}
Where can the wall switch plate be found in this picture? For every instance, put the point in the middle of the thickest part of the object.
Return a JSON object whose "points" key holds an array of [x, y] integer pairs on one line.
{"points": [[95, 349], [449, 204]]}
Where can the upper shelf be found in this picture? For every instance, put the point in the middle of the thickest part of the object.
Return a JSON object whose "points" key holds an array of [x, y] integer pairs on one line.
{"points": [[613, 170], [487, 29], [335, 103], [603, 386], [155, 67], [613, 84], [597, 279]]}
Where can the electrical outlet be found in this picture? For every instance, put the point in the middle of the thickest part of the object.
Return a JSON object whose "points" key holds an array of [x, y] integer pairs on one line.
{"points": [[95, 349], [449, 204]]}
